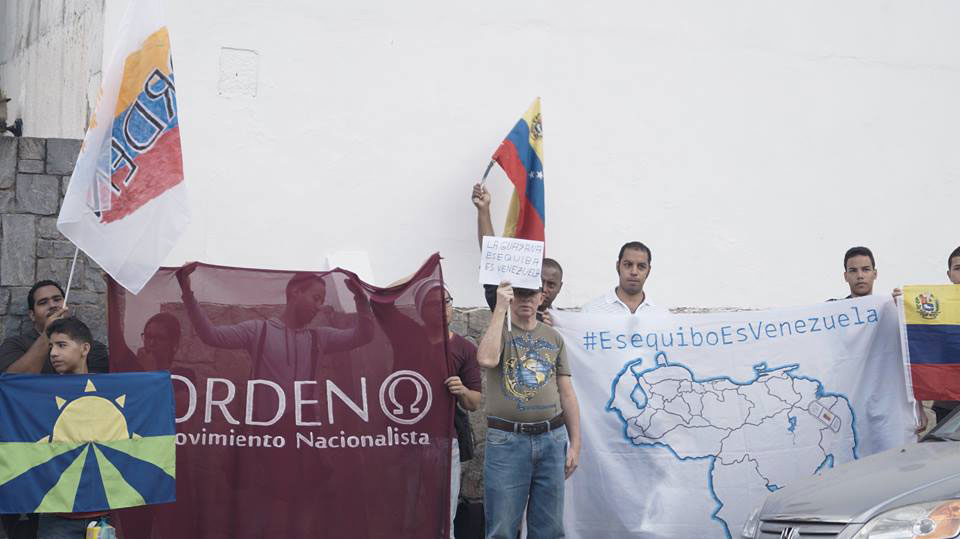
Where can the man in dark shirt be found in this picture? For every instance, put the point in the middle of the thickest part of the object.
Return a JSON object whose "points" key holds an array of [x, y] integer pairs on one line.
{"points": [[943, 408], [30, 351], [551, 274]]}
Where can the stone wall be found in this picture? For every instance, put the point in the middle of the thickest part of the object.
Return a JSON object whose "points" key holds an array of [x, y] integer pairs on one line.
{"points": [[33, 178], [471, 323]]}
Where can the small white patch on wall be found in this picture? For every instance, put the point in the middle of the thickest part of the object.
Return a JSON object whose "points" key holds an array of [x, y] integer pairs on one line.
{"points": [[239, 72]]}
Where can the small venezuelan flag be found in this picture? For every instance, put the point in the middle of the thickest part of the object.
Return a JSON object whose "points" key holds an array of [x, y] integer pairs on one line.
{"points": [[932, 340], [520, 155]]}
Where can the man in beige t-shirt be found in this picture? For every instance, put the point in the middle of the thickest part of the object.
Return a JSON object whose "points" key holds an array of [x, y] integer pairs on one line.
{"points": [[533, 419]]}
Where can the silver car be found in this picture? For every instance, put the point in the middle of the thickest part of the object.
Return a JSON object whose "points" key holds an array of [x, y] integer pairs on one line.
{"points": [[908, 493]]}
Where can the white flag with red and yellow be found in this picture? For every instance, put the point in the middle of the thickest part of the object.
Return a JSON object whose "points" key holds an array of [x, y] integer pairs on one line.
{"points": [[126, 204]]}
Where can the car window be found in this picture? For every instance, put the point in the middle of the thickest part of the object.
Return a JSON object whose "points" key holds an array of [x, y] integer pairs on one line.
{"points": [[947, 429]]}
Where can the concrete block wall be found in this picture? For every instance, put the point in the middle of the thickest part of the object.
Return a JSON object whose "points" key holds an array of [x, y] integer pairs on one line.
{"points": [[34, 173], [33, 179]]}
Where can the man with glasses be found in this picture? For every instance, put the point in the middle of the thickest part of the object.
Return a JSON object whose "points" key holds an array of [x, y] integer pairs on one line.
{"points": [[420, 335], [466, 386]]}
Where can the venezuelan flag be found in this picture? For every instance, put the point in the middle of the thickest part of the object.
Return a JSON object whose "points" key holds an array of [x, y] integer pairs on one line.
{"points": [[932, 340], [520, 155], [83, 443]]}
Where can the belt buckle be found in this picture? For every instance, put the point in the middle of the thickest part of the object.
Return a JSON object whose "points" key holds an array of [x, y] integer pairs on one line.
{"points": [[533, 428]]}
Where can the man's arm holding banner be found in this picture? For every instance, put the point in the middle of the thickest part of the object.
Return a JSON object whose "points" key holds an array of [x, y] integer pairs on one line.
{"points": [[231, 337], [341, 340]]}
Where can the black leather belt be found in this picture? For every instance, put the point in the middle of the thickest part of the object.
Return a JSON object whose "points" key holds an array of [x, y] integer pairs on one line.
{"points": [[525, 428]]}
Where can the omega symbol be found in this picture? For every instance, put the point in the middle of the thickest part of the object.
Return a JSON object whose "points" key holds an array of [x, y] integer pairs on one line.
{"points": [[389, 389]]}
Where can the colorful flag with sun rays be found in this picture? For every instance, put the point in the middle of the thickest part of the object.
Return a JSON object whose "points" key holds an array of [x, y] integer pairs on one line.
{"points": [[83, 443]]}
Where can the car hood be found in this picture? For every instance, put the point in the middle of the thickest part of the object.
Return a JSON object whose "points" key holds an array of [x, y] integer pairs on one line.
{"points": [[855, 491]]}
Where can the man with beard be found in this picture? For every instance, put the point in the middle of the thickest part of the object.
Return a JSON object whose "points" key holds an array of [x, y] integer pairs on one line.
{"points": [[30, 351], [633, 268]]}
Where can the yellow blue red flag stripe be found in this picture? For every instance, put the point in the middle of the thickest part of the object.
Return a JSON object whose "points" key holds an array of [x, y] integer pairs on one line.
{"points": [[932, 340], [520, 155]]}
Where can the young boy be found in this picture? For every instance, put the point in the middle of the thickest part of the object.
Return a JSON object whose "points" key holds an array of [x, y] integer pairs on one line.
{"points": [[70, 343]]}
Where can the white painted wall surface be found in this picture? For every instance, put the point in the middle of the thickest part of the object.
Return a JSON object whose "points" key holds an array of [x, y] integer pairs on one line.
{"points": [[50, 58], [748, 143]]}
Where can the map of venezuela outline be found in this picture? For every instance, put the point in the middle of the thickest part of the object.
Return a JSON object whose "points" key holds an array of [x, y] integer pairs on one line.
{"points": [[757, 435]]}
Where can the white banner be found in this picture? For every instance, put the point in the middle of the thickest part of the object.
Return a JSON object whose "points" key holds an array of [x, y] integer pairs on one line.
{"points": [[690, 421], [514, 260]]}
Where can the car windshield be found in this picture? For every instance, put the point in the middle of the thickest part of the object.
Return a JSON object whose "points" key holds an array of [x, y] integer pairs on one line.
{"points": [[948, 429]]}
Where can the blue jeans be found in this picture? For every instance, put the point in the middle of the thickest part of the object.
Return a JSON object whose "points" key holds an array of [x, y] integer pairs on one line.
{"points": [[524, 471], [454, 482]]}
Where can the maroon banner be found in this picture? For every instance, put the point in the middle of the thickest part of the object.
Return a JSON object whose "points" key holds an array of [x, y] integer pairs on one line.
{"points": [[308, 404]]}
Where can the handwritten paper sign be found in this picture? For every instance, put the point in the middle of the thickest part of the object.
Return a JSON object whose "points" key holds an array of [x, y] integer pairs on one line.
{"points": [[510, 259]]}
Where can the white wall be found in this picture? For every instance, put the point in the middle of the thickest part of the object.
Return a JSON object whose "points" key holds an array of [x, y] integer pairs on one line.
{"points": [[50, 58], [748, 143]]}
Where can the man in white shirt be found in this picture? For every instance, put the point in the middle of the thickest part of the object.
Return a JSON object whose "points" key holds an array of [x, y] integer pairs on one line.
{"points": [[633, 267]]}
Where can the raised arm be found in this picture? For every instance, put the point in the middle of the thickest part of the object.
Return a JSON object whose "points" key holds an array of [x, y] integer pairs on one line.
{"points": [[481, 199], [231, 337], [571, 416], [488, 353], [341, 340]]}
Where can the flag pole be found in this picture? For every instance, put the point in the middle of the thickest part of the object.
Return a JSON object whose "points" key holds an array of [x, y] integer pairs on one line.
{"points": [[483, 180], [73, 266]]}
